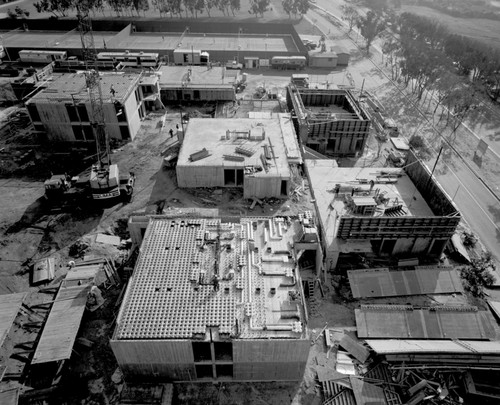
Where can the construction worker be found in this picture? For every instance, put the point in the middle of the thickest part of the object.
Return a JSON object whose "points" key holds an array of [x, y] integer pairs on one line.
{"points": [[171, 132]]}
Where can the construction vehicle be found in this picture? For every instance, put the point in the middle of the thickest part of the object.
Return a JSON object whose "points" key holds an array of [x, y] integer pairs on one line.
{"points": [[104, 182], [65, 189]]}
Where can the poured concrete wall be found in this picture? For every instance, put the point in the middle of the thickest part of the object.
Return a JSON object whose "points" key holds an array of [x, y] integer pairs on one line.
{"points": [[270, 360], [147, 360]]}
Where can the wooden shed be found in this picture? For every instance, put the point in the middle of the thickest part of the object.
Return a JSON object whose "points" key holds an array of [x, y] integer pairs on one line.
{"points": [[343, 54]]}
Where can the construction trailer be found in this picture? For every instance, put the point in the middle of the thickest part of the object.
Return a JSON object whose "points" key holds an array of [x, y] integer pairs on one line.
{"points": [[197, 83], [323, 59], [230, 306], [328, 119], [386, 211], [62, 109], [191, 57], [255, 154]]}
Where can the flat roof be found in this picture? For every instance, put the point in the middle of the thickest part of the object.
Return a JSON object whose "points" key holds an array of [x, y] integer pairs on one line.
{"points": [[392, 184], [156, 41], [54, 39], [405, 321], [383, 282], [9, 307], [195, 76], [173, 293], [71, 87], [279, 138]]}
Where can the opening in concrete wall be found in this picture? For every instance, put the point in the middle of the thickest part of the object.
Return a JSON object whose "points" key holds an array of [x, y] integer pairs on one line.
{"points": [[224, 370], [223, 351], [204, 371], [201, 351]]}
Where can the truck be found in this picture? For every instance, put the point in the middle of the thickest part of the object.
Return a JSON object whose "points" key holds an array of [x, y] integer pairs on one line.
{"points": [[94, 185]]}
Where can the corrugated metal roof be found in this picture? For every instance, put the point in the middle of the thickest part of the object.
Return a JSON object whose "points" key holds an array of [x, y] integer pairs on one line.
{"points": [[394, 346], [382, 282], [445, 322], [9, 307]]}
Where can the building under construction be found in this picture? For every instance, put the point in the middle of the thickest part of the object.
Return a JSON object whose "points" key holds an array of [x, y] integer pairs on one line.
{"points": [[214, 300], [63, 110], [328, 119], [197, 83], [386, 211], [255, 154]]}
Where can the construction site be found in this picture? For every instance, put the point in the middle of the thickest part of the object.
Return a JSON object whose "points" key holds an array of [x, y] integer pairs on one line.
{"points": [[184, 224]]}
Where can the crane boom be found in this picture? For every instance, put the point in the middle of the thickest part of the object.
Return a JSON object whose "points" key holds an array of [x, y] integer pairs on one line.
{"points": [[104, 177], [93, 85]]}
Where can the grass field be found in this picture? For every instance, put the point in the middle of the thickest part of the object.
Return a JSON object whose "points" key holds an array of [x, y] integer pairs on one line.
{"points": [[487, 31]]}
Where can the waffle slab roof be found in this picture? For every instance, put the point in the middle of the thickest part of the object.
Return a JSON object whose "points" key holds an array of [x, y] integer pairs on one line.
{"points": [[172, 294], [71, 87]]}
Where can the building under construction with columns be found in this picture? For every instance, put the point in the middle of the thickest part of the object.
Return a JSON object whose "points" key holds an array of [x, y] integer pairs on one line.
{"points": [[329, 120], [215, 300]]}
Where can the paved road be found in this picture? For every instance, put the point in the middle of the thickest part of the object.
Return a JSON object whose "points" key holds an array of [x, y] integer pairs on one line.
{"points": [[476, 203]]}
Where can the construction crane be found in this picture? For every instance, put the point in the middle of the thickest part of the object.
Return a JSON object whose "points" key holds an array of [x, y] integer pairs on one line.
{"points": [[104, 182], [104, 177]]}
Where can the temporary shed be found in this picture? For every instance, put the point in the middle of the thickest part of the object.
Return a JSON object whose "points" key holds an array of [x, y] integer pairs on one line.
{"points": [[323, 59], [343, 55]]}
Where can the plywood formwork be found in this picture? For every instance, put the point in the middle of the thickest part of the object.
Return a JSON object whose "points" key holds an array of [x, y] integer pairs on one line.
{"points": [[10, 304], [399, 321], [328, 120]]}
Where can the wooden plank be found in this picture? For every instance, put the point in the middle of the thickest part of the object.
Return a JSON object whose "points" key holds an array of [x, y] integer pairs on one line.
{"points": [[10, 397], [63, 322], [354, 348], [9, 307], [366, 393]]}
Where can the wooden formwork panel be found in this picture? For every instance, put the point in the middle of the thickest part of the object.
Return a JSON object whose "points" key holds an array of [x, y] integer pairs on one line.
{"points": [[290, 371], [160, 372], [398, 227], [275, 350], [148, 352]]}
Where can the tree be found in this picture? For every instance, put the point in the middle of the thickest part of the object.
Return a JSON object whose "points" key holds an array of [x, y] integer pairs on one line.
{"points": [[350, 15], [259, 7], [288, 7], [235, 5], [302, 7], [478, 275], [370, 26], [57, 7], [209, 4]]}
